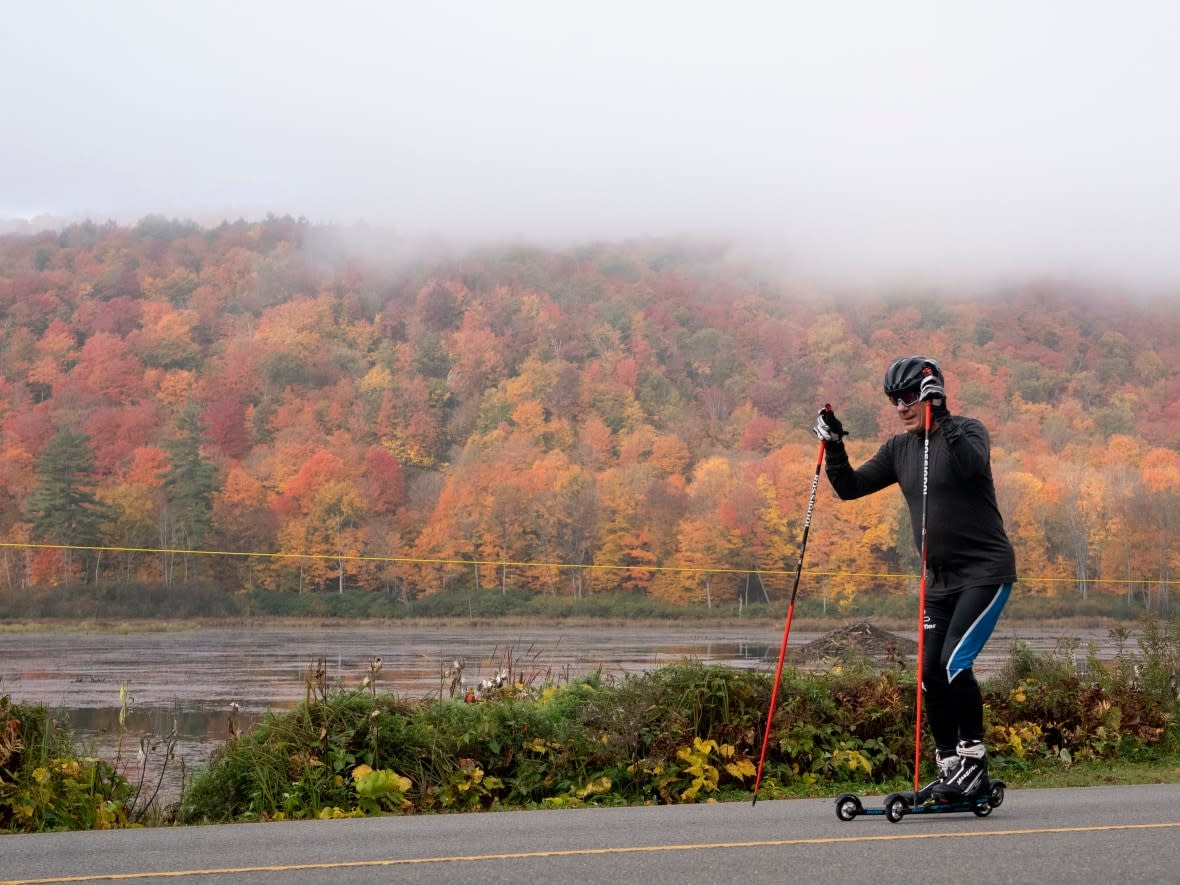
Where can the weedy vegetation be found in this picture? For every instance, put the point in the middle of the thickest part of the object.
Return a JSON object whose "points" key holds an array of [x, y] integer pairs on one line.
{"points": [[683, 733]]}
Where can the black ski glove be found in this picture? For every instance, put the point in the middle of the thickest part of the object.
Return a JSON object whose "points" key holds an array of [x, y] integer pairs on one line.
{"points": [[828, 427], [932, 392]]}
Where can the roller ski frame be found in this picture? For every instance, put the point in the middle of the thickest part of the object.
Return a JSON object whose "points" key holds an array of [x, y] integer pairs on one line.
{"points": [[898, 805]]}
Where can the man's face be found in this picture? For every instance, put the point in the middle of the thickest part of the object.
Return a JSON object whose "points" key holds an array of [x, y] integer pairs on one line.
{"points": [[910, 410]]}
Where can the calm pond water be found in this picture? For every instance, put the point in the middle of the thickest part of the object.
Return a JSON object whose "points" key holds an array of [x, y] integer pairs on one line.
{"points": [[192, 679]]}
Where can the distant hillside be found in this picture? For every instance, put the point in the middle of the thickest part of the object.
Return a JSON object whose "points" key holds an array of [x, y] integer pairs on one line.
{"points": [[623, 416]]}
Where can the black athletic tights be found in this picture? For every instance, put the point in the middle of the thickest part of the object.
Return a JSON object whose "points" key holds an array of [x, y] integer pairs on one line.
{"points": [[956, 627]]}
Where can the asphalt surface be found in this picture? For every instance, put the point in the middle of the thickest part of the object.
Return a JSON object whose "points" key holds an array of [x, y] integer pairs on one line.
{"points": [[1097, 834]]}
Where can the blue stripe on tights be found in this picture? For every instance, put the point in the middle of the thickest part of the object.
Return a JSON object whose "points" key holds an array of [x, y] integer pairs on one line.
{"points": [[977, 634]]}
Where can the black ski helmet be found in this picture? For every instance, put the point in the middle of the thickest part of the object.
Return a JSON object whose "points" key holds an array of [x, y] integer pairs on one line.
{"points": [[907, 374]]}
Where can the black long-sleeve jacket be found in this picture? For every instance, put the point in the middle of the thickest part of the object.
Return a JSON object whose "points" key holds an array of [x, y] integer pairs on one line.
{"points": [[966, 542]]}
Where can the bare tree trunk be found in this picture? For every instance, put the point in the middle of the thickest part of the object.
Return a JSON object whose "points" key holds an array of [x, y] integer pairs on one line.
{"points": [[167, 557], [1080, 558]]}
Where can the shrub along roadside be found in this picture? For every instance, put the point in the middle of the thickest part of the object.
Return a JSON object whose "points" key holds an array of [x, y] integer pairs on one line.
{"points": [[45, 786], [682, 733]]}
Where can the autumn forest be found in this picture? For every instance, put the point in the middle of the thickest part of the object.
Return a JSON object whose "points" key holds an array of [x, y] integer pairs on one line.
{"points": [[276, 406]]}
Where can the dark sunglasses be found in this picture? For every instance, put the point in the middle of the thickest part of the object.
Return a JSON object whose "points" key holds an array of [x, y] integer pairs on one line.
{"points": [[905, 398]]}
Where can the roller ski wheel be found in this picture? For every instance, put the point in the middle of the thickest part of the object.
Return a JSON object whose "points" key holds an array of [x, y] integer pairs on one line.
{"points": [[896, 807], [984, 803], [995, 795], [848, 806]]}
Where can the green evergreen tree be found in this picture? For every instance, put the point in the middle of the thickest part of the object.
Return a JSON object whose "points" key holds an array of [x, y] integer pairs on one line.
{"points": [[63, 507], [190, 482]]}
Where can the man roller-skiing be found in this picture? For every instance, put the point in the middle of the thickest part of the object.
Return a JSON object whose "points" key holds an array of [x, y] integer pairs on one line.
{"points": [[970, 563]]}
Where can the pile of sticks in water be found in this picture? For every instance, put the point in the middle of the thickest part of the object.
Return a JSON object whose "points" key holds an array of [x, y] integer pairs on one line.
{"points": [[859, 640]]}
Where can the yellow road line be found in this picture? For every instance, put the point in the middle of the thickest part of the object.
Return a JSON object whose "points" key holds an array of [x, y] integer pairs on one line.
{"points": [[587, 852]]}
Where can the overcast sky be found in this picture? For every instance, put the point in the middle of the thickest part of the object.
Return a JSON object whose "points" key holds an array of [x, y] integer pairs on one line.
{"points": [[899, 137]]}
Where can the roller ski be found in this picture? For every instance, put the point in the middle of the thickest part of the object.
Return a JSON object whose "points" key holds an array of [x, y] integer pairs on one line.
{"points": [[962, 785]]}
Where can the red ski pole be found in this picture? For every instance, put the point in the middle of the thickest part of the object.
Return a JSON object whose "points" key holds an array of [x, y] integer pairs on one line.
{"points": [[782, 652], [922, 604]]}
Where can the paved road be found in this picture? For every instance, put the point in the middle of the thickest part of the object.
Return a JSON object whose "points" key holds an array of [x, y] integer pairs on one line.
{"points": [[1098, 835]]}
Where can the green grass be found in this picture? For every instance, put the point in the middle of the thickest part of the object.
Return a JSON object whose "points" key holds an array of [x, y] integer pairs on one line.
{"points": [[1110, 772]]}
